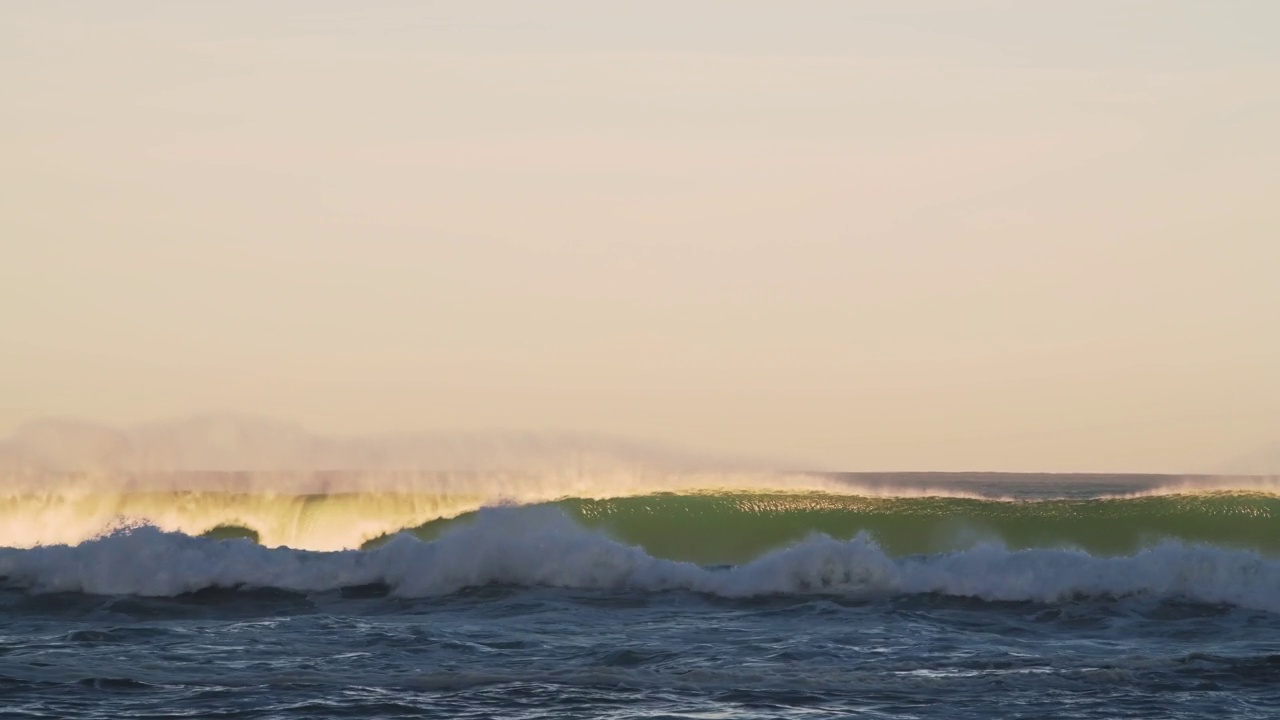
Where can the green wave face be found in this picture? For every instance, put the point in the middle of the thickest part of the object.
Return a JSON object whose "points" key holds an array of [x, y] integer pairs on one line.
{"points": [[734, 528], [231, 532]]}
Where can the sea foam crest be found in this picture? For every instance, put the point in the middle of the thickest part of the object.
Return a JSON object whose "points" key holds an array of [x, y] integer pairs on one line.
{"points": [[542, 547]]}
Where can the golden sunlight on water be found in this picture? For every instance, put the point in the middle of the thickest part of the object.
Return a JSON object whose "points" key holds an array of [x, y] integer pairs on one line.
{"points": [[313, 522]]}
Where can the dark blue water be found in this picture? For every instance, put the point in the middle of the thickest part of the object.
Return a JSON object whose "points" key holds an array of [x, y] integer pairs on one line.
{"points": [[520, 652]]}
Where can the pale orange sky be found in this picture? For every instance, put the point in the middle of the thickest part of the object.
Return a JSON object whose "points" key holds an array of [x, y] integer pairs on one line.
{"points": [[862, 235]]}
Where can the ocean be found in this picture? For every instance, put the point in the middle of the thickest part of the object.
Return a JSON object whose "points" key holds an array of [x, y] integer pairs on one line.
{"points": [[877, 596]]}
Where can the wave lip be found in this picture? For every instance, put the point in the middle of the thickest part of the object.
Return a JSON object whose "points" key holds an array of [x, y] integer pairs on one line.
{"points": [[542, 547]]}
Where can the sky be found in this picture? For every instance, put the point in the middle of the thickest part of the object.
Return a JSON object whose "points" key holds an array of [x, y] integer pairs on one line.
{"points": [[898, 235]]}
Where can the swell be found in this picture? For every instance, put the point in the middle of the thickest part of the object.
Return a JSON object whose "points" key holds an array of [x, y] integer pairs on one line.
{"points": [[542, 547]]}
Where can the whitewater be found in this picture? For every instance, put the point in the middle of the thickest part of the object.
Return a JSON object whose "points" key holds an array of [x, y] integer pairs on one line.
{"points": [[672, 593]]}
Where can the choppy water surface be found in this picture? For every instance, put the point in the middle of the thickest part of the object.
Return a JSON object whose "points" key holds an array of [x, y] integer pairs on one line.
{"points": [[990, 597]]}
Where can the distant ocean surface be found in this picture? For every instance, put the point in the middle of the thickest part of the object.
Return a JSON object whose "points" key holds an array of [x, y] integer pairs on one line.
{"points": [[879, 596]]}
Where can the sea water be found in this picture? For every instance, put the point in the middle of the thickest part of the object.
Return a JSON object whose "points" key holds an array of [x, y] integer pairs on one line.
{"points": [[890, 596]]}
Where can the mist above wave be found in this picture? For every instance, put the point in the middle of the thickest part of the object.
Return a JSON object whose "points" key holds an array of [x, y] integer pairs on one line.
{"points": [[244, 443]]}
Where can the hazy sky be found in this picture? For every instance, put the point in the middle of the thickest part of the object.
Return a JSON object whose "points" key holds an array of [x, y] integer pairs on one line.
{"points": [[865, 235]]}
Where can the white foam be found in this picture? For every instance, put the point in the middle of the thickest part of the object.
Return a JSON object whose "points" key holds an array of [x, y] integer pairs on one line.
{"points": [[542, 547]]}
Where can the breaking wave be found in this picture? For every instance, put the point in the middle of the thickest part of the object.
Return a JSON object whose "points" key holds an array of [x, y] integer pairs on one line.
{"points": [[174, 509], [542, 546], [703, 519], [64, 482]]}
